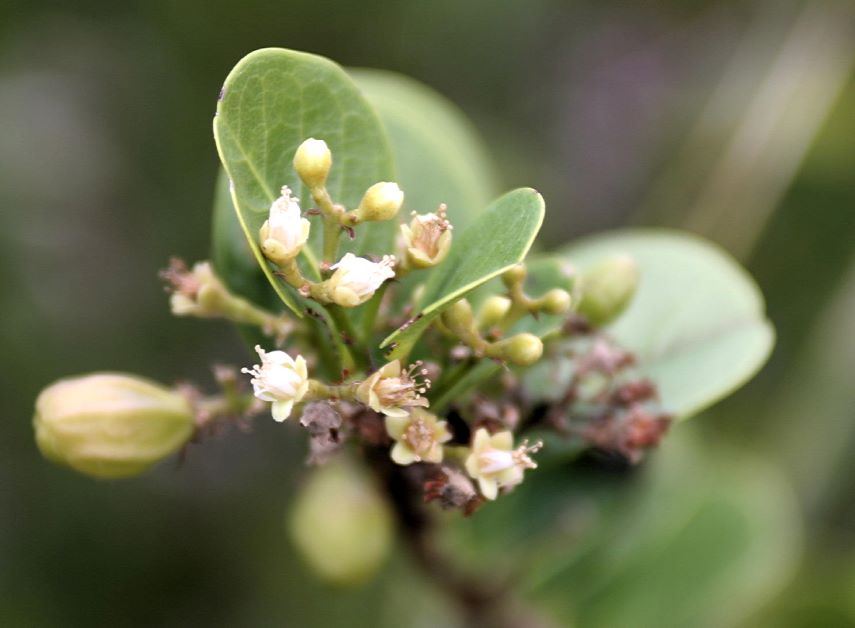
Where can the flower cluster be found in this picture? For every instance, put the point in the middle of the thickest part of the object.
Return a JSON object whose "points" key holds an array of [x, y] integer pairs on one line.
{"points": [[413, 411]]}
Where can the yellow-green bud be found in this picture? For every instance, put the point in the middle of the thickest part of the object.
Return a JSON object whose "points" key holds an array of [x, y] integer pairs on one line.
{"points": [[514, 275], [607, 289], [341, 524], [110, 425], [312, 161], [459, 315], [493, 310], [556, 301], [522, 349], [381, 202]]}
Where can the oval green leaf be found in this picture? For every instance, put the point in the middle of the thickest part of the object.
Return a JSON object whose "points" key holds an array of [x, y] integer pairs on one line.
{"points": [[499, 238], [697, 324], [273, 100]]}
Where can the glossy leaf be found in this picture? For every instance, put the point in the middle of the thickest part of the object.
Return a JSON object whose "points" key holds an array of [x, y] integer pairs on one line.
{"points": [[697, 324], [499, 238], [273, 100], [439, 157]]}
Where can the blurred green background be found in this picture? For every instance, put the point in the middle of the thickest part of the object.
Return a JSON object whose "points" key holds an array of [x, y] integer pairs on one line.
{"points": [[733, 120]]}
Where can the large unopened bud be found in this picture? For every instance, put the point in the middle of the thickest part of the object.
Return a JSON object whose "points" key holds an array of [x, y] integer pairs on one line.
{"points": [[284, 233], [110, 425], [341, 524], [356, 279], [427, 239], [381, 202], [312, 161], [607, 289]]}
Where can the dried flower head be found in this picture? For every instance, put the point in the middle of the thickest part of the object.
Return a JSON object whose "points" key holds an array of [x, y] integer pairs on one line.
{"points": [[392, 390]]}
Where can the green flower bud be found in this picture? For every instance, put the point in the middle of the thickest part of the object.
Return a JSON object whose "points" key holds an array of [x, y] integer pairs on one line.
{"points": [[381, 202], [493, 310], [110, 425], [514, 275], [312, 161], [522, 349], [341, 524], [607, 289], [459, 313], [556, 301]]}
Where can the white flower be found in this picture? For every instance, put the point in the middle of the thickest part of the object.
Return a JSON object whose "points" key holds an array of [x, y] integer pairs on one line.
{"points": [[279, 379], [427, 239], [419, 437], [495, 463], [356, 279], [285, 232], [391, 390]]}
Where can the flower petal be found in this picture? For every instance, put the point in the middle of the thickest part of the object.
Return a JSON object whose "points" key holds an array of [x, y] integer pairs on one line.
{"points": [[281, 409], [403, 455]]}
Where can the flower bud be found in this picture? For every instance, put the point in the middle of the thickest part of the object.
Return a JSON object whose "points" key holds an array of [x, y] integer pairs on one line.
{"points": [[556, 301], [493, 310], [381, 202], [514, 275], [458, 316], [110, 425], [312, 161], [522, 349], [341, 524], [607, 289]]}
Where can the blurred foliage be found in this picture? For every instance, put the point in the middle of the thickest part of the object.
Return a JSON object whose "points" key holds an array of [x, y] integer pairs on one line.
{"points": [[615, 112]]}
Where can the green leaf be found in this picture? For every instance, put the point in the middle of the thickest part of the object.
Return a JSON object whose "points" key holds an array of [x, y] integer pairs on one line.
{"points": [[705, 538], [231, 253], [499, 238], [273, 100], [438, 154], [697, 324]]}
